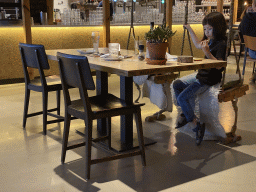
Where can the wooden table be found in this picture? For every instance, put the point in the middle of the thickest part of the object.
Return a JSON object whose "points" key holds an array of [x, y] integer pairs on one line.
{"points": [[126, 69]]}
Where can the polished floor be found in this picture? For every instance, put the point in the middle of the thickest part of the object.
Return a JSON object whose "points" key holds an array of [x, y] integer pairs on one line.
{"points": [[30, 161]]}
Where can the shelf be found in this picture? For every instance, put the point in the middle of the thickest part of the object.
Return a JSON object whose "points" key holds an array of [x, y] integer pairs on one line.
{"points": [[10, 4], [212, 5]]}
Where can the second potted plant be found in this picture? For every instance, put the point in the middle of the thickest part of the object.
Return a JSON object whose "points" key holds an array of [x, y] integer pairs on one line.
{"points": [[157, 43]]}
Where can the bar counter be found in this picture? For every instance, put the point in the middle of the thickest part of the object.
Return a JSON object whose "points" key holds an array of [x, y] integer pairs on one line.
{"points": [[72, 37]]}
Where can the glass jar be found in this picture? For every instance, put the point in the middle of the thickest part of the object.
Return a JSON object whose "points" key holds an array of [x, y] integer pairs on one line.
{"points": [[141, 55]]}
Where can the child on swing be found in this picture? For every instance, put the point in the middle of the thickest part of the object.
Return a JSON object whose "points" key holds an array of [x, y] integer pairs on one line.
{"points": [[213, 45]]}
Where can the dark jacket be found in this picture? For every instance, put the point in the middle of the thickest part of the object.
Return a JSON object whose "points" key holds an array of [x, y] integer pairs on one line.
{"points": [[248, 24], [213, 76], [248, 27]]}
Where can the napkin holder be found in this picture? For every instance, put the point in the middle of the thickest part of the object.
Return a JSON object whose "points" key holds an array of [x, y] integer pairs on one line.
{"points": [[185, 59]]}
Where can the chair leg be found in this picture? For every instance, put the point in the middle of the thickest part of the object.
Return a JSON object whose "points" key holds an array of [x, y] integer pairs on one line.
{"points": [[253, 69], [245, 56], [65, 136], [140, 135], [239, 57], [88, 148], [45, 104], [109, 132], [26, 103], [58, 101]]}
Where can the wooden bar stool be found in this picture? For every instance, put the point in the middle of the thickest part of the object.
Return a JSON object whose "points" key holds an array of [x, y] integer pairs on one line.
{"points": [[34, 56], [75, 72]]}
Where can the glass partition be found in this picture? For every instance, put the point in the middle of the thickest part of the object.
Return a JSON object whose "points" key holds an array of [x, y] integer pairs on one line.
{"points": [[145, 11], [90, 12]]}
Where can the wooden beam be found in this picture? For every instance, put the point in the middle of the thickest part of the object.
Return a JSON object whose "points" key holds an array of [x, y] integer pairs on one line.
{"points": [[27, 28], [209, 9], [220, 6], [49, 4], [169, 13], [235, 11], [106, 23], [26, 21], [169, 21]]}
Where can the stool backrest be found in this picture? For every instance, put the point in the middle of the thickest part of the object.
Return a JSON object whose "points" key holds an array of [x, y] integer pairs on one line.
{"points": [[75, 72], [32, 54], [68, 65], [250, 42]]}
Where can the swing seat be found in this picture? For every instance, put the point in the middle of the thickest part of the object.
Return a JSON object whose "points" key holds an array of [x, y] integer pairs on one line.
{"points": [[207, 110], [232, 93]]}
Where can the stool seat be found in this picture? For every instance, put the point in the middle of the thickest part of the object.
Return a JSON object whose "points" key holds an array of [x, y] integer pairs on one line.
{"points": [[231, 94], [53, 82]]}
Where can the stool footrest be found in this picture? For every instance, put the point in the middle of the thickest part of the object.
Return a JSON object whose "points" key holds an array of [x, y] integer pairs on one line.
{"points": [[55, 121], [56, 116], [76, 146]]}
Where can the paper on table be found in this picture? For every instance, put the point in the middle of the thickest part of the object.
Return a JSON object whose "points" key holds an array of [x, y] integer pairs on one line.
{"points": [[105, 55], [171, 57], [108, 57], [120, 58]]}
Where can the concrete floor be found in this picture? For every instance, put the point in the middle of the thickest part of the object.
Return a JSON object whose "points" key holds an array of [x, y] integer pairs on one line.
{"points": [[30, 161]]}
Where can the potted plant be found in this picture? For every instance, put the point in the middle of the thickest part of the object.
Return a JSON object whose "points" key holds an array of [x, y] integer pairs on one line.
{"points": [[157, 43]]}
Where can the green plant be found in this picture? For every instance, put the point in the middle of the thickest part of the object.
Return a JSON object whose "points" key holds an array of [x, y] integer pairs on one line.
{"points": [[159, 34]]}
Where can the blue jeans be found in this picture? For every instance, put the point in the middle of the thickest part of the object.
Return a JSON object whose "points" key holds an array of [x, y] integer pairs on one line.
{"points": [[186, 91], [252, 54]]}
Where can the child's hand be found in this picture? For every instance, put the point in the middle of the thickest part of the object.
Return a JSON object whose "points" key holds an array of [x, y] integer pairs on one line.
{"points": [[205, 47]]}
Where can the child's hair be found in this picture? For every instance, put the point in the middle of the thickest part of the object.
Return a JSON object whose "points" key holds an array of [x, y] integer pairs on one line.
{"points": [[218, 22]]}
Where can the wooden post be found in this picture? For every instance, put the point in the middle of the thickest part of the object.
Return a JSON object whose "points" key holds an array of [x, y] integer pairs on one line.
{"points": [[27, 28], [209, 8], [26, 20], [106, 23], [169, 21], [220, 6], [49, 4], [235, 11]]}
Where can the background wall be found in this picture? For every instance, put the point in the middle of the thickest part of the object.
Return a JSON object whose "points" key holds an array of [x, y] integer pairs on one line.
{"points": [[74, 37]]}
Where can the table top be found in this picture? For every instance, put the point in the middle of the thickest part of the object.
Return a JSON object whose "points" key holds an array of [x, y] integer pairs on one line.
{"points": [[133, 67]]}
